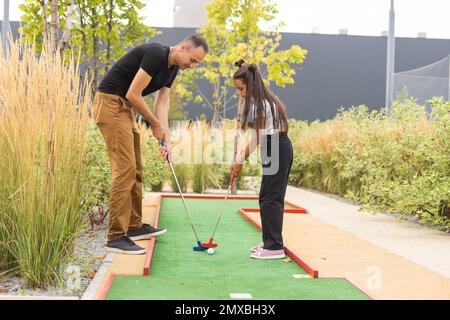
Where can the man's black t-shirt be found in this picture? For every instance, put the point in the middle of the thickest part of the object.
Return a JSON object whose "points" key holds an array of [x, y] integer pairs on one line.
{"points": [[153, 58]]}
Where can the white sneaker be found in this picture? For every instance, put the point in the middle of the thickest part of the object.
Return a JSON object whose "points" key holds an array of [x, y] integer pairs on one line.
{"points": [[268, 254], [258, 247]]}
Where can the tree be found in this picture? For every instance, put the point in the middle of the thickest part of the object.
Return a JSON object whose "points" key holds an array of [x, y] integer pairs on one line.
{"points": [[176, 105], [100, 29], [54, 26], [232, 31], [66, 34]]}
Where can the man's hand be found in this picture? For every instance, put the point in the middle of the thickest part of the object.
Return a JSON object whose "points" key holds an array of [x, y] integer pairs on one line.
{"points": [[166, 150], [157, 130]]}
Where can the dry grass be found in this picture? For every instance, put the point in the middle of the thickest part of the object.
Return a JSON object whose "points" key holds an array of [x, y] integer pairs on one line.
{"points": [[43, 125], [397, 163]]}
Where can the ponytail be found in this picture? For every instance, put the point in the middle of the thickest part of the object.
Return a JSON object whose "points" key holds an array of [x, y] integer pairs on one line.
{"points": [[258, 94]]}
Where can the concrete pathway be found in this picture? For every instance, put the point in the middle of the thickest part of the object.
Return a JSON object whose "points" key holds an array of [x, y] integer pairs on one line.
{"points": [[427, 247]]}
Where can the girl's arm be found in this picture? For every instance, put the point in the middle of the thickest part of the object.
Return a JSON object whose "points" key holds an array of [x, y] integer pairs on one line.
{"points": [[249, 148], [245, 153]]}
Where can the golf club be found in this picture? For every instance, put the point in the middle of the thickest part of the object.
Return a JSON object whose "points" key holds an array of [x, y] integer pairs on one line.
{"points": [[210, 243], [199, 247]]}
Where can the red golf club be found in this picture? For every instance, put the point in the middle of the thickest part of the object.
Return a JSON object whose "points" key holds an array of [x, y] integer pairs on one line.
{"points": [[210, 243]]}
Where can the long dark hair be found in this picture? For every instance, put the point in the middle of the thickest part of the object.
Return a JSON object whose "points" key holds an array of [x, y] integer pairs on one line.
{"points": [[258, 94]]}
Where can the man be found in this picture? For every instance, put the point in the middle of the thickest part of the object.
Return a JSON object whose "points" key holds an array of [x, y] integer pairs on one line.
{"points": [[146, 69]]}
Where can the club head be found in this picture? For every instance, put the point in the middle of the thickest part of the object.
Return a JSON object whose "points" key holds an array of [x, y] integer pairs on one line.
{"points": [[209, 244], [199, 247]]}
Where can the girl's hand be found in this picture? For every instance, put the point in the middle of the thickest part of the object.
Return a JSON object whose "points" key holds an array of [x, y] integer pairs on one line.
{"points": [[235, 169]]}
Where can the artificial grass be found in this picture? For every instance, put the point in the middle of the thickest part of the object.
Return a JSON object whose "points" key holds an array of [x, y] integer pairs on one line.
{"points": [[178, 272]]}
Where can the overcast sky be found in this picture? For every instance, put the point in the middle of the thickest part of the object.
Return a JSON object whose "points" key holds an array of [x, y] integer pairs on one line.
{"points": [[360, 17]]}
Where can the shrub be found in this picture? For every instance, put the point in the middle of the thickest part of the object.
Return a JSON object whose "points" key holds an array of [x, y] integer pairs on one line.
{"points": [[96, 172], [155, 167], [398, 163]]}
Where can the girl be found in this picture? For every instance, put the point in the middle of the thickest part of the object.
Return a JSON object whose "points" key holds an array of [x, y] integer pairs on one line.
{"points": [[271, 128]]}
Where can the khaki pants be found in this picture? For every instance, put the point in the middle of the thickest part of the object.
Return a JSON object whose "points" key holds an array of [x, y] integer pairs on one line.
{"points": [[115, 118]]}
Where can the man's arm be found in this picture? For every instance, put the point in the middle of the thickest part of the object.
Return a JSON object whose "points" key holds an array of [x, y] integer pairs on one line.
{"points": [[162, 111], [134, 95]]}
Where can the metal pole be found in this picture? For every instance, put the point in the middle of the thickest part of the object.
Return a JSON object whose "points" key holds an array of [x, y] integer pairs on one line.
{"points": [[5, 25], [448, 97], [390, 63]]}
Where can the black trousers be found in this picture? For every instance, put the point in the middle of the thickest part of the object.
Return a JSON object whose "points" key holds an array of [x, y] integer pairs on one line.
{"points": [[276, 162]]}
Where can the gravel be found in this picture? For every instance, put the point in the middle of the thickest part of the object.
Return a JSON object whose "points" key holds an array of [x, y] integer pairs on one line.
{"points": [[89, 251]]}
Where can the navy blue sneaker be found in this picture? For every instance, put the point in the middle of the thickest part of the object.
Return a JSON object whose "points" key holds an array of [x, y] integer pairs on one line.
{"points": [[124, 245], [145, 232]]}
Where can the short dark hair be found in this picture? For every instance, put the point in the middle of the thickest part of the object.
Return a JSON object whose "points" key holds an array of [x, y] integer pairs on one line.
{"points": [[197, 40]]}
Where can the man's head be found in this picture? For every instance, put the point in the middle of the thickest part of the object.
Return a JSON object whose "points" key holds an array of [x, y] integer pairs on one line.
{"points": [[191, 51]]}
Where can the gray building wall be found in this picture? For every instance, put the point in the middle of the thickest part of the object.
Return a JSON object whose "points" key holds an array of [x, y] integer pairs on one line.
{"points": [[339, 70]]}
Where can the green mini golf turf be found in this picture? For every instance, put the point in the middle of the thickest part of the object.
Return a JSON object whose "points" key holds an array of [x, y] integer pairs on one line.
{"points": [[178, 272]]}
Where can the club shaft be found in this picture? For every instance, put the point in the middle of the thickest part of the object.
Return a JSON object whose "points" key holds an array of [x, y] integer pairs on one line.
{"points": [[182, 198], [221, 210]]}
